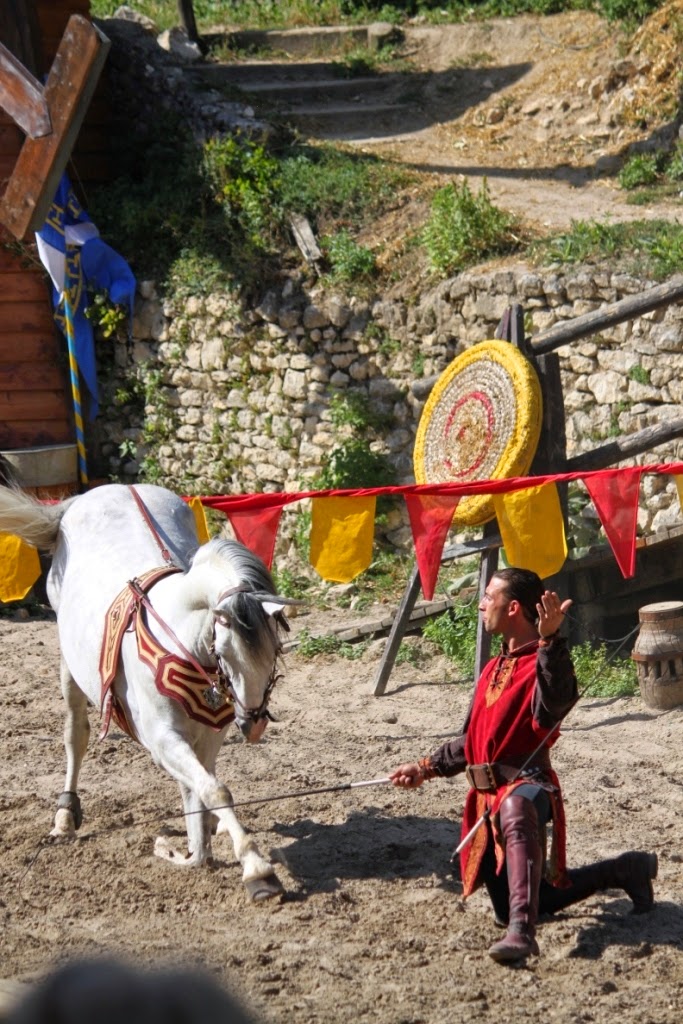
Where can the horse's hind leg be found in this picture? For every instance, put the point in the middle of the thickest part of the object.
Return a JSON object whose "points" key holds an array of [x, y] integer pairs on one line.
{"points": [[76, 732], [198, 824]]}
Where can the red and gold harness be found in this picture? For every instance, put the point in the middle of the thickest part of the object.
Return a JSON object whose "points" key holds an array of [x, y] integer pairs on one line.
{"points": [[173, 676]]}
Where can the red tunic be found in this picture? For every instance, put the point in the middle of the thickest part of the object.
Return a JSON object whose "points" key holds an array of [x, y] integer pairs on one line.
{"points": [[520, 697]]}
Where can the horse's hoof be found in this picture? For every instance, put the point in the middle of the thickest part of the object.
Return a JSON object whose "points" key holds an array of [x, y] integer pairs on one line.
{"points": [[164, 848], [64, 824], [260, 889]]}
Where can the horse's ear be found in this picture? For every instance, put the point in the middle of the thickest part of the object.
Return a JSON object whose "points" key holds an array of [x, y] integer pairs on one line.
{"points": [[271, 607]]}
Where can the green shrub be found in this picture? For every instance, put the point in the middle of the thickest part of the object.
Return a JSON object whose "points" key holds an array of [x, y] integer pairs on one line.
{"points": [[352, 463], [463, 228], [674, 168], [641, 169], [455, 634], [601, 674], [348, 260]]}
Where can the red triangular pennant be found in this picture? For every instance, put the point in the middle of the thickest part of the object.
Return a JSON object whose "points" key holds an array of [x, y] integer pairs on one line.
{"points": [[257, 530], [430, 520], [615, 496]]}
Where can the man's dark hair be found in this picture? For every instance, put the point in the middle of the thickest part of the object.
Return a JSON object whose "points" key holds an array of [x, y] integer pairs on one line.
{"points": [[524, 586]]}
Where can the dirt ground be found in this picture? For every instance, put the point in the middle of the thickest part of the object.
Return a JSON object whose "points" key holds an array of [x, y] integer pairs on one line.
{"points": [[545, 109], [372, 926]]}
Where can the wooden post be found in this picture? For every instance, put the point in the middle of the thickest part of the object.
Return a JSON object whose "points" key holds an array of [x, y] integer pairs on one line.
{"points": [[67, 94], [186, 12]]}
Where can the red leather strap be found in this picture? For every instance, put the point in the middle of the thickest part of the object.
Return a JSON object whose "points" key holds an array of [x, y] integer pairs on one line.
{"points": [[165, 553]]}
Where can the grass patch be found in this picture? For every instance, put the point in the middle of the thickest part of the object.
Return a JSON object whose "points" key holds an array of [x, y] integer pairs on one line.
{"points": [[311, 646], [649, 248]]}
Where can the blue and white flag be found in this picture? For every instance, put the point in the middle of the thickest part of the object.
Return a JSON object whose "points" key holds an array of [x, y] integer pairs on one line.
{"points": [[75, 257]]}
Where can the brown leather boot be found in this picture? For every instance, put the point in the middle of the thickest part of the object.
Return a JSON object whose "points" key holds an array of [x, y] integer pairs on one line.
{"points": [[523, 860], [633, 872]]}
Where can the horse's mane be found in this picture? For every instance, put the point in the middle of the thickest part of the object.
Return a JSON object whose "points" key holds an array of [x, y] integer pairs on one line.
{"points": [[249, 620]]}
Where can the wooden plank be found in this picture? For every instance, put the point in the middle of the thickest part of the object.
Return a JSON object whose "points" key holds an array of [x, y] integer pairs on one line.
{"points": [[25, 316], [30, 433], [31, 377], [21, 405], [29, 346], [23, 286], [11, 139], [21, 95], [40, 164]]}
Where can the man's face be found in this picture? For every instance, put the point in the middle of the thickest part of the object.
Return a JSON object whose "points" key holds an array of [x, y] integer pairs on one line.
{"points": [[494, 606]]}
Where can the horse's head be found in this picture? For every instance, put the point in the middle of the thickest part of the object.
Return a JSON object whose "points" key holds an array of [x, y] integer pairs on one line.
{"points": [[248, 625], [247, 645]]}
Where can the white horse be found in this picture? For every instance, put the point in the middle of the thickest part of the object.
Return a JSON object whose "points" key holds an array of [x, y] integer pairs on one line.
{"points": [[220, 614]]}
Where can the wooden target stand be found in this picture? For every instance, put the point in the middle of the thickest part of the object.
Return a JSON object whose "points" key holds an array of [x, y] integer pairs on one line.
{"points": [[551, 452]]}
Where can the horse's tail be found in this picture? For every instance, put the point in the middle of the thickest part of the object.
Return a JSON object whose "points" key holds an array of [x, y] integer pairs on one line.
{"points": [[28, 518]]}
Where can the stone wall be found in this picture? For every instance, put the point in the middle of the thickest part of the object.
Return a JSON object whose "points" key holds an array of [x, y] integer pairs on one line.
{"points": [[213, 399]]}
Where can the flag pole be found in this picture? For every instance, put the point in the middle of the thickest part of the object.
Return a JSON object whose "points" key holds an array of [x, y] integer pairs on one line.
{"points": [[75, 389]]}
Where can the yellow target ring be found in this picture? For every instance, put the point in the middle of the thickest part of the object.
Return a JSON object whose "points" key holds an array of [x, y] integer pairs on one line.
{"points": [[481, 421]]}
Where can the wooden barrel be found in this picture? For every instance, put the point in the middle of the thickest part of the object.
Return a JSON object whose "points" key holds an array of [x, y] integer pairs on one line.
{"points": [[658, 654]]}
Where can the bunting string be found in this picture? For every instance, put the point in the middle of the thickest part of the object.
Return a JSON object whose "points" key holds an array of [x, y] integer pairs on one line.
{"points": [[342, 528]]}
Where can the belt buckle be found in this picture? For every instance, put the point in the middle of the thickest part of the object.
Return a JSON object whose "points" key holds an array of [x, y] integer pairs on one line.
{"points": [[488, 772]]}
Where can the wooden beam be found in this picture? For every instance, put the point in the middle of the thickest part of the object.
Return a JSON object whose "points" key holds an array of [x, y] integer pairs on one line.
{"points": [[624, 447], [41, 163], [21, 95], [609, 316]]}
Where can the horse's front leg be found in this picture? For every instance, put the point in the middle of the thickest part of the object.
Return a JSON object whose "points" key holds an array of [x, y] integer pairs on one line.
{"points": [[176, 755], [76, 733]]}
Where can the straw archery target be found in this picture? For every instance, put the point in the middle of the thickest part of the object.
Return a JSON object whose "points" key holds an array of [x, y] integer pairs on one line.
{"points": [[481, 421]]}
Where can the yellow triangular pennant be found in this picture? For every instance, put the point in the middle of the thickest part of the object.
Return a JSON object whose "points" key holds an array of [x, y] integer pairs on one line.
{"points": [[532, 529], [342, 533], [199, 519], [19, 567]]}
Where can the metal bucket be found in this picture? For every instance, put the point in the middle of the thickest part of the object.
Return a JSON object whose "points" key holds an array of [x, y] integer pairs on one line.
{"points": [[48, 472], [658, 654]]}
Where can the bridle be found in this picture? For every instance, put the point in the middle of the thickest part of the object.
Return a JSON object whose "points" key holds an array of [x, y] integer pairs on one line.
{"points": [[223, 681]]}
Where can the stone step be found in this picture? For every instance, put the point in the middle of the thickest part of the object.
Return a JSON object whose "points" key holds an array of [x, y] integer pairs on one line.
{"points": [[279, 71], [348, 121]]}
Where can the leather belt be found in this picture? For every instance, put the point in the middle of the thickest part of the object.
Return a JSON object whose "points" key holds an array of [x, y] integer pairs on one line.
{"points": [[490, 777]]}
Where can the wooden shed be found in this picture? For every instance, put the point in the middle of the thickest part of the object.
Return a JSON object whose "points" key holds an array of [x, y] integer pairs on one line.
{"points": [[35, 397]]}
